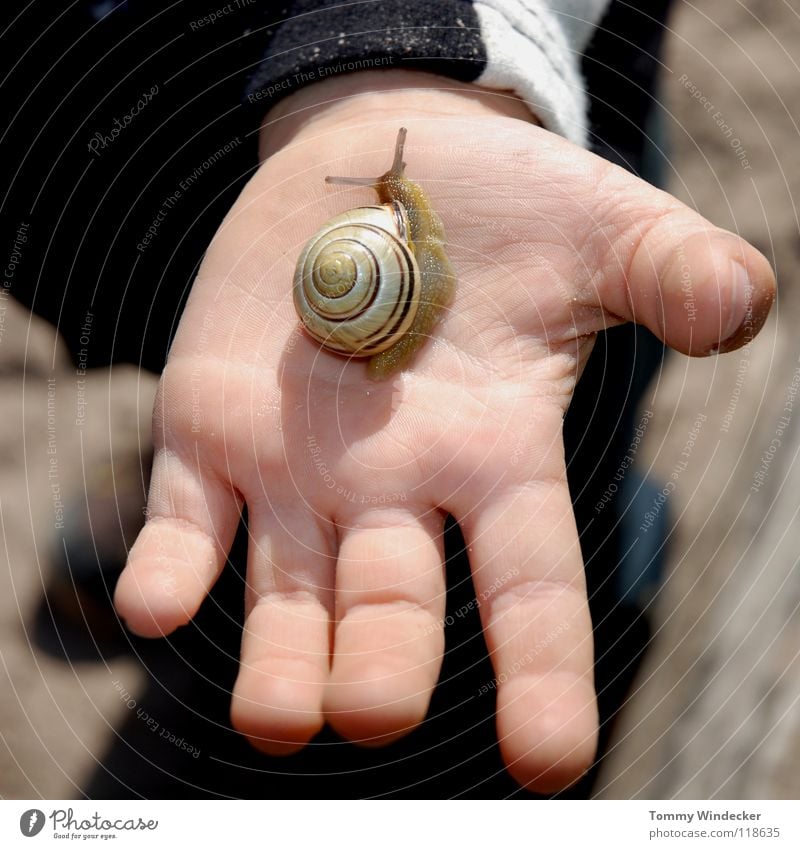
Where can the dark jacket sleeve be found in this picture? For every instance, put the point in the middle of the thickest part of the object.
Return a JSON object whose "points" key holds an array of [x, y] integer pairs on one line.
{"points": [[529, 47]]}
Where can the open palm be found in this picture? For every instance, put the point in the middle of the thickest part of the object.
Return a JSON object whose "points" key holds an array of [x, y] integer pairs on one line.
{"points": [[348, 481]]}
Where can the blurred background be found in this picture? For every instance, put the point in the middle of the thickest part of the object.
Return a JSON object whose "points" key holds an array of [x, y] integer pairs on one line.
{"points": [[714, 710]]}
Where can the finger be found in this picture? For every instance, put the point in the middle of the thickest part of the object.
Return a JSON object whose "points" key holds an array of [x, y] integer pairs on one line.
{"points": [[698, 288], [529, 582], [285, 656], [192, 518], [388, 644]]}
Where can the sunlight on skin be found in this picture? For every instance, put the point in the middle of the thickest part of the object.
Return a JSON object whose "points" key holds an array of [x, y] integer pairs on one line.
{"points": [[347, 482]]}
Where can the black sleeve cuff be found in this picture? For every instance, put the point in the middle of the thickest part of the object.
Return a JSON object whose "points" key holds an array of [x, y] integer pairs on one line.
{"points": [[324, 39]]}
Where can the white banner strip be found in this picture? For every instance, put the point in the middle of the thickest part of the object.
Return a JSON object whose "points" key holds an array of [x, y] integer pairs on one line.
{"points": [[390, 824]]}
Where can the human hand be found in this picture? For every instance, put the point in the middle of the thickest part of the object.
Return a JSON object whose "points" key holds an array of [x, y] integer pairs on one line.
{"points": [[347, 482]]}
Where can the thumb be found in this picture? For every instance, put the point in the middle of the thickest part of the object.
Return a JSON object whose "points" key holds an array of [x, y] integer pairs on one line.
{"points": [[700, 289]]}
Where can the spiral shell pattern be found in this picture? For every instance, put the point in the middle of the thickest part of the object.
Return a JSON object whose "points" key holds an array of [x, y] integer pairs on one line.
{"points": [[357, 283]]}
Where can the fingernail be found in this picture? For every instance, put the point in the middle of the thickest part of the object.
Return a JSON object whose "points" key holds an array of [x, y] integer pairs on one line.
{"points": [[742, 293], [739, 327]]}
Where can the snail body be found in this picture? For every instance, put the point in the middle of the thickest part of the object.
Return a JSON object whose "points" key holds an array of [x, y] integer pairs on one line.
{"points": [[374, 281]]}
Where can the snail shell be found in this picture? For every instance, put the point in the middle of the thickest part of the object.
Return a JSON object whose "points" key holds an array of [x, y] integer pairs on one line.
{"points": [[374, 281], [357, 283]]}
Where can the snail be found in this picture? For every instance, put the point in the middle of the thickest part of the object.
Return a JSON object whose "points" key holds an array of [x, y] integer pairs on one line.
{"points": [[373, 281]]}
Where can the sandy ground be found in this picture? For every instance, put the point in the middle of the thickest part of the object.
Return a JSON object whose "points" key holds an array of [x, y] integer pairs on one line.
{"points": [[715, 710], [56, 715]]}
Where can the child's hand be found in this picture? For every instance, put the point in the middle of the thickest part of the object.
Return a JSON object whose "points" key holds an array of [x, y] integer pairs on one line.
{"points": [[347, 482]]}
